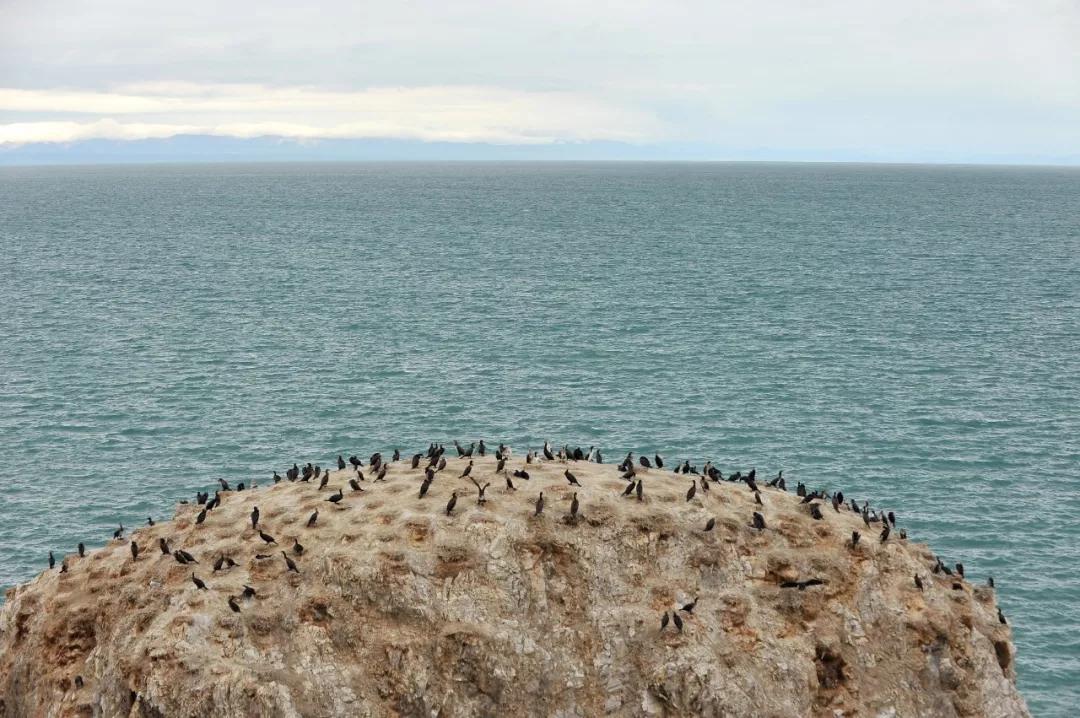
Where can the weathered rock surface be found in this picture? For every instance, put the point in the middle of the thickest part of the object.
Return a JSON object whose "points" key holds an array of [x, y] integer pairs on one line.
{"points": [[399, 609]]}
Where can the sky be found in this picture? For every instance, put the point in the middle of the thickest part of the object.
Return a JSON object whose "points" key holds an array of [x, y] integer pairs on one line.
{"points": [[941, 81]]}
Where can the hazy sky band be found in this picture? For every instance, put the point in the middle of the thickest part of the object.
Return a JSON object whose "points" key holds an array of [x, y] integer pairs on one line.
{"points": [[920, 77]]}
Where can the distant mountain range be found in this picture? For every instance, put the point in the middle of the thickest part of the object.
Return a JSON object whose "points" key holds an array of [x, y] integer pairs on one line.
{"points": [[202, 148]]}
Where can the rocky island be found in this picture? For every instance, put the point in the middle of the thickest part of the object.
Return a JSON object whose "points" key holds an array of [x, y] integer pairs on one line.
{"points": [[661, 594]]}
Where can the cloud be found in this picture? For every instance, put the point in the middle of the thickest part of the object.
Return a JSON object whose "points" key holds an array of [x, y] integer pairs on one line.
{"points": [[449, 114]]}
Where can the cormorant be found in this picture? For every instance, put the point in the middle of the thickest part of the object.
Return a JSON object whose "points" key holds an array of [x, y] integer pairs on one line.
{"points": [[480, 497], [644, 461], [290, 563], [149, 520], [82, 551], [960, 570], [689, 608], [396, 456], [424, 486], [416, 461], [574, 506], [640, 490], [885, 534], [571, 478], [540, 505], [692, 491], [659, 461], [200, 518], [118, 532], [467, 471], [266, 537], [233, 605], [340, 462], [710, 524], [815, 512], [134, 550], [1001, 618], [757, 498], [249, 592], [678, 621], [198, 582], [336, 498], [163, 544], [324, 480], [52, 560], [255, 517], [355, 485], [990, 581], [297, 548], [629, 489], [759, 521], [918, 582], [451, 503], [510, 484], [664, 621], [855, 536], [276, 478], [313, 518]]}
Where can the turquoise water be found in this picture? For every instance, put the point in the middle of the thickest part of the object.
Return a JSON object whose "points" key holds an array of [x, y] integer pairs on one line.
{"points": [[910, 334]]}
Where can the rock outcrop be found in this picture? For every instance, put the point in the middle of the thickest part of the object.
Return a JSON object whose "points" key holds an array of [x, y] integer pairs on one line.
{"points": [[401, 610]]}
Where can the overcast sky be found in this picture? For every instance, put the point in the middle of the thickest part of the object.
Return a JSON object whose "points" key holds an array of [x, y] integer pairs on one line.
{"points": [[910, 80]]}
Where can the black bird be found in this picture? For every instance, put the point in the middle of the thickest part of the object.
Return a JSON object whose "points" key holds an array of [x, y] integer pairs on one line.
{"points": [[467, 471], [757, 498], [255, 517], [356, 463], [266, 537], [163, 544], [291, 565], [396, 456], [659, 461], [800, 490], [382, 472], [82, 552], [521, 474], [710, 524], [990, 581], [424, 486], [276, 478], [885, 534], [571, 478], [134, 551], [224, 484], [198, 582], [664, 621], [442, 464], [416, 461], [678, 620], [355, 485], [78, 681], [574, 506], [510, 484], [233, 605], [336, 498], [240, 486], [644, 461], [219, 564], [360, 475], [692, 491], [801, 585], [629, 474], [540, 505], [629, 489], [149, 520], [815, 512], [312, 519], [705, 485], [689, 608], [1001, 618], [249, 592], [200, 518], [480, 497], [340, 462], [297, 548], [63, 566], [324, 480], [892, 519], [918, 582], [759, 521], [52, 561], [960, 570], [188, 558], [118, 532], [855, 536], [481, 448], [547, 452], [640, 490], [451, 503]]}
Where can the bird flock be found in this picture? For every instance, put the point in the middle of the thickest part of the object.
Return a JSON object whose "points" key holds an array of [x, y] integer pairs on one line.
{"points": [[434, 461]]}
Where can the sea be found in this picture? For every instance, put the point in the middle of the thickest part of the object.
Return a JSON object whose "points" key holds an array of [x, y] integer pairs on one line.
{"points": [[908, 334]]}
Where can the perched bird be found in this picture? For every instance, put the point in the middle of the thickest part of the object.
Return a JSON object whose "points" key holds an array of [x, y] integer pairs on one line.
{"points": [[539, 505], [277, 479], [134, 551], [815, 512], [644, 461], [52, 560], [336, 498], [918, 582], [759, 521], [289, 563], [855, 536], [990, 581], [163, 544], [757, 498], [224, 484], [340, 462], [297, 548], [266, 537], [574, 506], [885, 534], [415, 463], [1001, 618], [200, 518], [664, 621], [510, 484], [188, 558], [521, 474], [689, 608], [149, 520], [659, 461], [78, 681], [324, 480], [678, 621], [255, 517], [355, 485], [451, 503], [640, 490], [424, 486], [198, 582], [480, 496], [960, 570], [249, 592], [467, 471], [693, 490], [801, 585], [571, 478], [234, 605], [710, 524], [118, 532], [312, 519], [629, 489], [82, 552]]}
